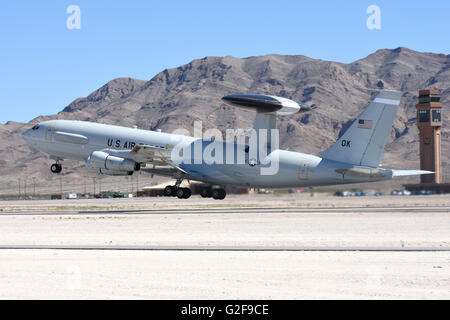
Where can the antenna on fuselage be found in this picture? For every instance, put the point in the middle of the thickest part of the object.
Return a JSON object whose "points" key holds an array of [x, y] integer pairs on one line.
{"points": [[267, 109]]}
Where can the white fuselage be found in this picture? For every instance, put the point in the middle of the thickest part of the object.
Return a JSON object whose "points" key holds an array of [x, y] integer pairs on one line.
{"points": [[77, 140]]}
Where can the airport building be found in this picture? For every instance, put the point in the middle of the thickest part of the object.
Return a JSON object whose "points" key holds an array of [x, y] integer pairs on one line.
{"points": [[429, 122]]}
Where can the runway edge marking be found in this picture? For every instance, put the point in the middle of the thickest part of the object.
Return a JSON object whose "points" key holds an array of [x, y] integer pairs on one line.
{"points": [[225, 248]]}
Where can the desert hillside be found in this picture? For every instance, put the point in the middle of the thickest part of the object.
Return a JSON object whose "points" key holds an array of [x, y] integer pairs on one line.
{"points": [[177, 97]]}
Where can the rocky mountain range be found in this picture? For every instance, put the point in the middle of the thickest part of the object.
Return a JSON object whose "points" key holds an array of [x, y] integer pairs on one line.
{"points": [[177, 97]]}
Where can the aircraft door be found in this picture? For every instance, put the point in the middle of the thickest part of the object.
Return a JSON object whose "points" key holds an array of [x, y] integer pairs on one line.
{"points": [[304, 170]]}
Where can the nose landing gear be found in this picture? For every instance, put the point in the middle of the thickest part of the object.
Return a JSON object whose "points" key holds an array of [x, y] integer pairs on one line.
{"points": [[56, 168]]}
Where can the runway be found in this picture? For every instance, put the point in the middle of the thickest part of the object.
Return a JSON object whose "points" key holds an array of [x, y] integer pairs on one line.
{"points": [[237, 210], [225, 248], [278, 252]]}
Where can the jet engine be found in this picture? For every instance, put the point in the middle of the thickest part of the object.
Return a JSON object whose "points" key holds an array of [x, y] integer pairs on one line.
{"points": [[105, 163]]}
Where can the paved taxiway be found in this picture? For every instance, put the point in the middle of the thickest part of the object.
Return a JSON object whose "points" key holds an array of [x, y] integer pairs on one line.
{"points": [[245, 253], [235, 210]]}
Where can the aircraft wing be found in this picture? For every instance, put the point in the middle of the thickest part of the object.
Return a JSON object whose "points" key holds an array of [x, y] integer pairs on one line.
{"points": [[151, 154], [158, 160], [208, 173], [157, 156]]}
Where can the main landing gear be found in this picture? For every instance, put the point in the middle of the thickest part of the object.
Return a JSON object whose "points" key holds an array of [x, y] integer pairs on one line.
{"points": [[215, 193], [56, 168], [176, 191], [185, 193]]}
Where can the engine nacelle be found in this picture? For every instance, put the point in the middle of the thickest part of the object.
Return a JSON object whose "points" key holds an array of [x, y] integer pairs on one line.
{"points": [[115, 173], [108, 163], [109, 172]]}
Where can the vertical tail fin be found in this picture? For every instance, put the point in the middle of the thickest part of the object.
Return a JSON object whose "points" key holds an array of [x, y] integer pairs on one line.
{"points": [[363, 143]]}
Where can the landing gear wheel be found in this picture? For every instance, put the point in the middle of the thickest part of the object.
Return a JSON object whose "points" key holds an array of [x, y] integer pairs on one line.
{"points": [[56, 168], [218, 194], [222, 194], [206, 193], [183, 193], [170, 191], [188, 193]]}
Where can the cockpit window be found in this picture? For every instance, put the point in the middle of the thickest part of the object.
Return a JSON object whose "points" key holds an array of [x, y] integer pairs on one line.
{"points": [[35, 127]]}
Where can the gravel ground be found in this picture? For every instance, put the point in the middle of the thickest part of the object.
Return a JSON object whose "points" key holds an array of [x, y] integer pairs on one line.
{"points": [[91, 274], [304, 200], [223, 275]]}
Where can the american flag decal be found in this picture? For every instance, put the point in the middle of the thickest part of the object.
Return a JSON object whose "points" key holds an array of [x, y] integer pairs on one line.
{"points": [[364, 124]]}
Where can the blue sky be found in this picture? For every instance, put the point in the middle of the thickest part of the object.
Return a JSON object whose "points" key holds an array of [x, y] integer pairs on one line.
{"points": [[45, 65]]}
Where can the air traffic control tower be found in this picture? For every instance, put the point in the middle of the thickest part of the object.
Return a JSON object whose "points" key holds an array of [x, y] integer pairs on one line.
{"points": [[429, 121]]}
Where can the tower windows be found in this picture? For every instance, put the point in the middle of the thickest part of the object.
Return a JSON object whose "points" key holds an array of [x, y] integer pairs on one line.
{"points": [[436, 115], [424, 115]]}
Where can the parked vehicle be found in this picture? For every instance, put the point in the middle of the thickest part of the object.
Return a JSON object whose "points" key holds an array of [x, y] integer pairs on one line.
{"points": [[343, 193], [400, 193], [296, 190]]}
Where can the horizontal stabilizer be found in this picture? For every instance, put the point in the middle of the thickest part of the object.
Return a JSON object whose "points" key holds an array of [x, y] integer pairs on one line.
{"points": [[400, 173], [364, 172]]}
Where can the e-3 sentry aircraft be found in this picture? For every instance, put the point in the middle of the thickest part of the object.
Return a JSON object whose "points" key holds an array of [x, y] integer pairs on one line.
{"points": [[114, 150]]}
